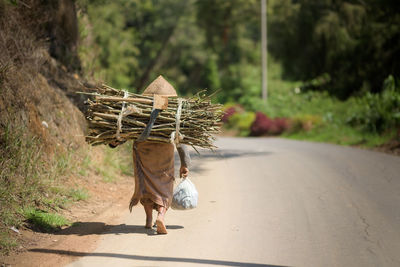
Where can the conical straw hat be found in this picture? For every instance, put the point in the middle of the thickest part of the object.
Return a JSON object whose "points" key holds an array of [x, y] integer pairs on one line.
{"points": [[160, 86]]}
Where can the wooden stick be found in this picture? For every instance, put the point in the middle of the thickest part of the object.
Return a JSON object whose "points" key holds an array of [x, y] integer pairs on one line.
{"points": [[118, 99]]}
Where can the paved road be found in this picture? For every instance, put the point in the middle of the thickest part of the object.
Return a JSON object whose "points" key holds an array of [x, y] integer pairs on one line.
{"points": [[272, 202]]}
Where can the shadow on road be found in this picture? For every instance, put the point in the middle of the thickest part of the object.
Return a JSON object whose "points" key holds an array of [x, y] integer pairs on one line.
{"points": [[218, 154], [226, 154], [100, 228], [151, 258]]}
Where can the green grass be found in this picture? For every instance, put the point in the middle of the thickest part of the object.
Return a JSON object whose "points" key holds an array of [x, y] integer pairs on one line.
{"points": [[28, 175], [7, 242], [78, 194], [341, 135], [107, 175], [116, 162], [55, 202], [63, 163], [45, 221], [126, 168], [330, 117], [21, 168], [85, 166]]}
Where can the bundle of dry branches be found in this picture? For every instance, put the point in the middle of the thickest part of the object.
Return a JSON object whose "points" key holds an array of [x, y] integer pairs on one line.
{"points": [[118, 115]]}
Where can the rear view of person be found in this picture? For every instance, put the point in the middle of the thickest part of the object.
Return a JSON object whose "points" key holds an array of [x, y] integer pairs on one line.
{"points": [[154, 166]]}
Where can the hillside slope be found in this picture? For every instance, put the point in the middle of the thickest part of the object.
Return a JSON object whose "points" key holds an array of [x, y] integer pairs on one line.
{"points": [[41, 126], [37, 80]]}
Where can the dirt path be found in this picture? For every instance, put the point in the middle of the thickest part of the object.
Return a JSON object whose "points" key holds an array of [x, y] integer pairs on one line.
{"points": [[263, 202], [93, 217]]}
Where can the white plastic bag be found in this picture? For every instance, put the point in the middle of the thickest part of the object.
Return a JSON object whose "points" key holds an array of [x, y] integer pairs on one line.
{"points": [[185, 196]]}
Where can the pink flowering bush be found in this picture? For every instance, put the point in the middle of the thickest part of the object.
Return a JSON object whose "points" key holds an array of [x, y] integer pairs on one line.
{"points": [[280, 125], [229, 112], [263, 125], [246, 123]]}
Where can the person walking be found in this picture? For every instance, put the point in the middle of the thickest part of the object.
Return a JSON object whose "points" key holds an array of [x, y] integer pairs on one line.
{"points": [[154, 166]]}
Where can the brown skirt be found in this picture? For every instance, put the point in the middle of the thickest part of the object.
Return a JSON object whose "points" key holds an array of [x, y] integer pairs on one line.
{"points": [[154, 174]]}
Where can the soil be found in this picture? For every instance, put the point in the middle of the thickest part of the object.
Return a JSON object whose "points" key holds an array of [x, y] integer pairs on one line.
{"points": [[391, 147], [91, 218]]}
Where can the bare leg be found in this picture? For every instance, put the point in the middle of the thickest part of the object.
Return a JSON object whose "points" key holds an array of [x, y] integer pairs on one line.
{"points": [[148, 208], [161, 229]]}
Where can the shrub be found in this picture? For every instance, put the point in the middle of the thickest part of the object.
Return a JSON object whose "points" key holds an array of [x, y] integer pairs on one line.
{"points": [[230, 110], [228, 113], [78, 194], [280, 125], [304, 122], [261, 125], [377, 113], [242, 122]]}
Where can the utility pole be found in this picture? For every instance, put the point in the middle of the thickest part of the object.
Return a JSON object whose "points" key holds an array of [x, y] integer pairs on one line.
{"points": [[264, 65]]}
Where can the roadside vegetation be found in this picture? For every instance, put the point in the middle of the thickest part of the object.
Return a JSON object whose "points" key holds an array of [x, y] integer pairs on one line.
{"points": [[27, 181], [45, 165], [293, 112], [35, 188], [115, 162], [333, 67]]}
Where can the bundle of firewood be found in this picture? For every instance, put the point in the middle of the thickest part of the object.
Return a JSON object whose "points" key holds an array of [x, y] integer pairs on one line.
{"points": [[119, 115]]}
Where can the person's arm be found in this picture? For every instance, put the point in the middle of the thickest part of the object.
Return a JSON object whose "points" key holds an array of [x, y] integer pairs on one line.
{"points": [[146, 132], [185, 160], [115, 143]]}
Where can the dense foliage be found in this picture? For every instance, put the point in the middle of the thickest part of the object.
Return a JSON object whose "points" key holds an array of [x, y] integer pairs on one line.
{"points": [[370, 120], [377, 112], [347, 47], [195, 44]]}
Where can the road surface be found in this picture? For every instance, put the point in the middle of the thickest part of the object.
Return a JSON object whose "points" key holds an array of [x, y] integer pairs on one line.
{"points": [[272, 202]]}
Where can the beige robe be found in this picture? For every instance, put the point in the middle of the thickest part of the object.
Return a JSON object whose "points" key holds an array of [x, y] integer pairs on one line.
{"points": [[154, 173]]}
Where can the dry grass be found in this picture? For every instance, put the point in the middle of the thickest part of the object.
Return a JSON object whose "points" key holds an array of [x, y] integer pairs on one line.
{"points": [[40, 129]]}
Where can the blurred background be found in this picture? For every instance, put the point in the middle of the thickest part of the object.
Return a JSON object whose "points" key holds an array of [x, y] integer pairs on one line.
{"points": [[333, 66]]}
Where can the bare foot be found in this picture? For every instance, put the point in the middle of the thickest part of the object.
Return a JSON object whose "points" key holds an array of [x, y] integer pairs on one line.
{"points": [[149, 216], [148, 223], [161, 229]]}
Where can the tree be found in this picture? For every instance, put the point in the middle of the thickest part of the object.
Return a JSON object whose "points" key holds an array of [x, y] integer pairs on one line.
{"points": [[354, 43]]}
